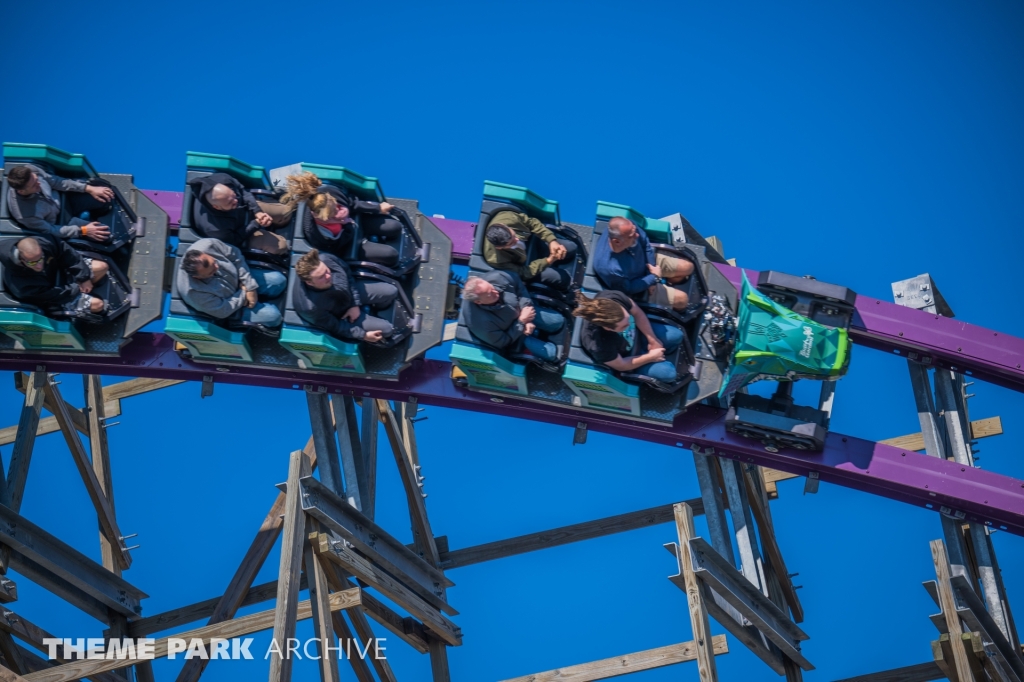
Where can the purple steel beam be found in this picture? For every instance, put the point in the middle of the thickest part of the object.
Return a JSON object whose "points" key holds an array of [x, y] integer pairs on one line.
{"points": [[169, 203], [929, 338], [981, 496]]}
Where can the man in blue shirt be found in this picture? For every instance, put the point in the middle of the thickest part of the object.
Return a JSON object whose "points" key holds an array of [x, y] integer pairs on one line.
{"points": [[625, 261]]}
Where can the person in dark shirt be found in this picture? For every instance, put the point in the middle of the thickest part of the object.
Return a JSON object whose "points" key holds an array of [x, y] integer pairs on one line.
{"points": [[329, 297], [330, 223], [33, 201], [616, 333], [221, 208], [498, 310], [506, 242], [46, 272], [624, 260]]}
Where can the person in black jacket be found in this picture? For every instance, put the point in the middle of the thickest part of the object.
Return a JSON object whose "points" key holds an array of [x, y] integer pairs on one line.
{"points": [[329, 297], [220, 210], [329, 224], [46, 272], [498, 310]]}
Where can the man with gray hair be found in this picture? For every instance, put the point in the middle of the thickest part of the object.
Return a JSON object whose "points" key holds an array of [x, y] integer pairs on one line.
{"points": [[44, 271], [499, 312], [215, 279], [625, 261], [220, 210]]}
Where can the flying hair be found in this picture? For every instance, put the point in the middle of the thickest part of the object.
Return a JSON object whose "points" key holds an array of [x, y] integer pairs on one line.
{"points": [[303, 187], [603, 312]]}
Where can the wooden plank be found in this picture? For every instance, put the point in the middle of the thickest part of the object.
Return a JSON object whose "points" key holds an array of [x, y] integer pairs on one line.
{"points": [[49, 425], [439, 669], [921, 672], [238, 627], [624, 665], [394, 590], [365, 635], [983, 428], [92, 485], [133, 387], [770, 545], [564, 535], [322, 425], [421, 533], [350, 449], [975, 654], [241, 582], [319, 600], [100, 452], [959, 664], [8, 675], [288, 574], [699, 623], [939, 657], [345, 639], [12, 654]]}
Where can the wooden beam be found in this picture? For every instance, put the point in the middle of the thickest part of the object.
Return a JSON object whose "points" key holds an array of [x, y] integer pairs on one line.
{"points": [[338, 581], [370, 419], [770, 545], [624, 665], [358, 664], [8, 675], [922, 672], [422, 535], [49, 425], [100, 452], [92, 485], [960, 663], [240, 586], [288, 574], [323, 617], [350, 449], [321, 423], [565, 535], [374, 577], [15, 624], [238, 627], [699, 623]]}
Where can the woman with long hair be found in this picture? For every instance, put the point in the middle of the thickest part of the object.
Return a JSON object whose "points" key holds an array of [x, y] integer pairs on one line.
{"points": [[329, 223], [616, 333]]}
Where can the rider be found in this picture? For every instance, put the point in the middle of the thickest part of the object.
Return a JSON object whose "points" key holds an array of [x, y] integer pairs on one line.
{"points": [[32, 204], [625, 261], [505, 245], [503, 315], [46, 272]]}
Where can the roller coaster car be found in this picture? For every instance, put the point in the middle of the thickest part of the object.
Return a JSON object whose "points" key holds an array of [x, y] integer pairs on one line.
{"points": [[417, 315], [412, 250], [226, 340], [491, 370], [135, 253], [500, 197], [793, 328]]}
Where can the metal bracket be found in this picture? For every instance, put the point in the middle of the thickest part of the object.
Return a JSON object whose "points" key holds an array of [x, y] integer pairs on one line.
{"points": [[579, 436], [207, 389], [811, 484], [706, 451]]}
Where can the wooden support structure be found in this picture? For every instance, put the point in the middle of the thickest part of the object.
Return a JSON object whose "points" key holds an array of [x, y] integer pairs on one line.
{"points": [[239, 627], [108, 523], [699, 623], [624, 665], [288, 576], [959, 665], [323, 619]]}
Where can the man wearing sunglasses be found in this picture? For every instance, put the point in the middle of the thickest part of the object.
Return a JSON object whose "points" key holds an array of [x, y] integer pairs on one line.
{"points": [[625, 261], [46, 272]]}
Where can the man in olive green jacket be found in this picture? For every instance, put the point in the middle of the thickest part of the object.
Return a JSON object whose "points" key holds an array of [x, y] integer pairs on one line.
{"points": [[505, 245]]}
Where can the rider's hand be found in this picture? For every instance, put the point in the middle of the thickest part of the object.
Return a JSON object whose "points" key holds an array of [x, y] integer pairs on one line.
{"points": [[656, 355], [374, 336], [654, 342], [385, 207], [557, 250], [251, 297], [527, 314], [98, 232], [86, 286], [96, 304], [263, 219], [655, 270], [529, 329], [104, 194], [352, 314]]}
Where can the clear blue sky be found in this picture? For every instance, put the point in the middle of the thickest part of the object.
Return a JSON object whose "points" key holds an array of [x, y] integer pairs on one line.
{"points": [[861, 142]]}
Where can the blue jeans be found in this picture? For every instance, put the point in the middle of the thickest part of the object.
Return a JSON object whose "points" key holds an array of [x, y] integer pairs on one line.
{"points": [[546, 321], [271, 282], [670, 337], [263, 313]]}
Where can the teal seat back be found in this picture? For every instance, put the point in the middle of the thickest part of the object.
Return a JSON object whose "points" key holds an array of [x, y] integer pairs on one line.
{"points": [[35, 332], [252, 177], [208, 341], [488, 371], [658, 231], [63, 163], [601, 390], [317, 350]]}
